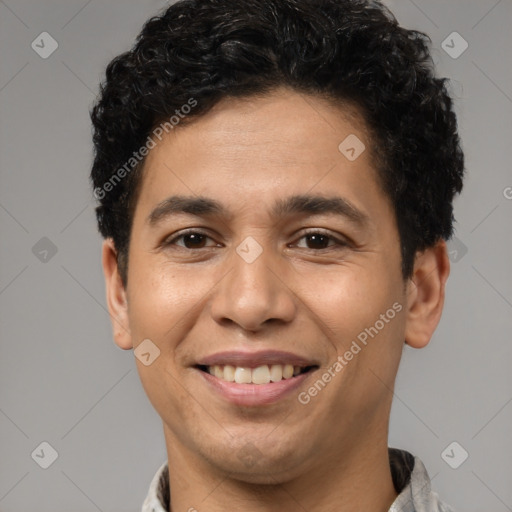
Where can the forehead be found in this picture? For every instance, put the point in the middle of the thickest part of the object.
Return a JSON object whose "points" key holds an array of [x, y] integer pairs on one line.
{"points": [[249, 150]]}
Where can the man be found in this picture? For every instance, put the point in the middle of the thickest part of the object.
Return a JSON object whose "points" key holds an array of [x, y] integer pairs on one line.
{"points": [[275, 181]]}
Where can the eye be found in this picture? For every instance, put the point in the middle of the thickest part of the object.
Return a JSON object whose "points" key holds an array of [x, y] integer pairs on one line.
{"points": [[192, 239], [320, 240]]}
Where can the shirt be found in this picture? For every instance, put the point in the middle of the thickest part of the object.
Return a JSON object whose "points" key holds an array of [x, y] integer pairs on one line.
{"points": [[410, 479]]}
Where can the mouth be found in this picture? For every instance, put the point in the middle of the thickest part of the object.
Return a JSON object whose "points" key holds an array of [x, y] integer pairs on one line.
{"points": [[260, 375], [253, 379]]}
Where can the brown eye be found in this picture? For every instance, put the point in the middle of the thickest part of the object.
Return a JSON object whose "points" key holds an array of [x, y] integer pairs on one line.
{"points": [[191, 240], [318, 240], [194, 241]]}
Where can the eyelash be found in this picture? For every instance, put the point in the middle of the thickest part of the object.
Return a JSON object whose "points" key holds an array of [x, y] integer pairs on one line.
{"points": [[338, 242]]}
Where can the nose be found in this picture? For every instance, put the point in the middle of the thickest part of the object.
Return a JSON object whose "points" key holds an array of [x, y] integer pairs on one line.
{"points": [[253, 295]]}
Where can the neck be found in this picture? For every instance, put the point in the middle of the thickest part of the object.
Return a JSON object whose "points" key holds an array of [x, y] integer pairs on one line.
{"points": [[355, 477]]}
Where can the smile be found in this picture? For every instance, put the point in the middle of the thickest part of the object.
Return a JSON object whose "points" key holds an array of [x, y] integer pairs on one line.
{"points": [[264, 374]]}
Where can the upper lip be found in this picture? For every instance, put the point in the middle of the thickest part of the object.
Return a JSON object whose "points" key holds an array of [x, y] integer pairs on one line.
{"points": [[255, 359]]}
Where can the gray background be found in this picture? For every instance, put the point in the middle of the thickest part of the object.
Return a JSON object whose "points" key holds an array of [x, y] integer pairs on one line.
{"points": [[64, 381]]}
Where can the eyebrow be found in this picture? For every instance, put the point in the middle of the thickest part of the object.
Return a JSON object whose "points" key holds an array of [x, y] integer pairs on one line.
{"points": [[298, 204]]}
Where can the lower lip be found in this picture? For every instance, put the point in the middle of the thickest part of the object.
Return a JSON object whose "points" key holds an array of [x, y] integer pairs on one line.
{"points": [[251, 395]]}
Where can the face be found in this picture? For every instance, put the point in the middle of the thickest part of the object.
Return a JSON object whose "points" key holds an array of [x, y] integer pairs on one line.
{"points": [[292, 258]]}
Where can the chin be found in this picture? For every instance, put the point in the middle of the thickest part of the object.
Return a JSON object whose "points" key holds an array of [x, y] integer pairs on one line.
{"points": [[258, 463]]}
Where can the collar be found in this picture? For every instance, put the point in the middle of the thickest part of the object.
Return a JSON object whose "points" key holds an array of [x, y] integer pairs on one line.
{"points": [[410, 479]]}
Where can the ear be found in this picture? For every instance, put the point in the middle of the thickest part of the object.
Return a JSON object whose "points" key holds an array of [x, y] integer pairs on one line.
{"points": [[425, 294], [116, 296]]}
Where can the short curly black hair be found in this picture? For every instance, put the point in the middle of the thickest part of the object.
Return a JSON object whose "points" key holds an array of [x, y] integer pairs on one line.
{"points": [[351, 51]]}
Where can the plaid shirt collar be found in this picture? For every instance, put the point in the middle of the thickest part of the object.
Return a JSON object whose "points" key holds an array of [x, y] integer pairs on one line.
{"points": [[410, 479]]}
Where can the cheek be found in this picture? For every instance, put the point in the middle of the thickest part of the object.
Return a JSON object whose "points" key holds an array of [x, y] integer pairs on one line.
{"points": [[350, 299], [361, 311], [161, 304], [157, 300]]}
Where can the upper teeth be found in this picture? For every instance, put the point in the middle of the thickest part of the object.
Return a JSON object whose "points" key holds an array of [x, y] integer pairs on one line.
{"points": [[261, 375]]}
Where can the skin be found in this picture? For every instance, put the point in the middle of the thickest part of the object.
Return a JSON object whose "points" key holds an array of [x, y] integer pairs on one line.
{"points": [[194, 299]]}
